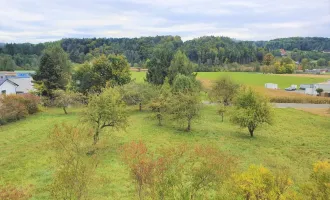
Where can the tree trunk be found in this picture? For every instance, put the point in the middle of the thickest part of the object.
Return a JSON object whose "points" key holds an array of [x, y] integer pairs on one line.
{"points": [[189, 125], [222, 117], [251, 130], [140, 107], [159, 117], [65, 110], [96, 136]]}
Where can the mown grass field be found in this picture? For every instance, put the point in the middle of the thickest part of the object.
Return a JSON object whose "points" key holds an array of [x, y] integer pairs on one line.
{"points": [[252, 79], [295, 141]]}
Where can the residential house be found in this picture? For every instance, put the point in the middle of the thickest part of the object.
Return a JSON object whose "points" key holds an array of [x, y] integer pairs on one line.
{"points": [[15, 82]]}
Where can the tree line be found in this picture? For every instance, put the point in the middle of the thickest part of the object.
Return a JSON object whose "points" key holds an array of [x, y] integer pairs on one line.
{"points": [[209, 53]]}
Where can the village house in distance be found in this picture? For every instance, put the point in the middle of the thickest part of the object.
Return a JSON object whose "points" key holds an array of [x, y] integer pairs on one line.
{"points": [[16, 82]]}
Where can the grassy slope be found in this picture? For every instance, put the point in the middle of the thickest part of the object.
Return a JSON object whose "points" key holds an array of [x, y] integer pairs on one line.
{"points": [[295, 143], [252, 79]]}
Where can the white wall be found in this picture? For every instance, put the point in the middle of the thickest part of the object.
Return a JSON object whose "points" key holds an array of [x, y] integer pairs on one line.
{"points": [[10, 88]]}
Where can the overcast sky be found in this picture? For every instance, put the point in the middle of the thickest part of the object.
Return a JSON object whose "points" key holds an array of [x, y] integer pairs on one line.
{"points": [[48, 20]]}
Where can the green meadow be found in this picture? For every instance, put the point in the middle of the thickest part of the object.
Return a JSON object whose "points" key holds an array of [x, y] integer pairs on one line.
{"points": [[252, 79], [295, 141]]}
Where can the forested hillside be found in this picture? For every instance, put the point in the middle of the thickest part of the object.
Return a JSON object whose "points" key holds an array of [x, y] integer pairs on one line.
{"points": [[300, 43], [209, 52]]}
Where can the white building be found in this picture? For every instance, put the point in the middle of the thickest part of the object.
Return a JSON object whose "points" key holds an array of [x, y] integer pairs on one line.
{"points": [[8, 87], [12, 84], [271, 86]]}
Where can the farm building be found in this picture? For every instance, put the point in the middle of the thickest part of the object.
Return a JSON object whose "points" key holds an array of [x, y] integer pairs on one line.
{"points": [[271, 86]]}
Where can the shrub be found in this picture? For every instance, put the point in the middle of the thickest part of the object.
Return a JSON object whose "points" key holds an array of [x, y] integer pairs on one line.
{"points": [[259, 183], [31, 102], [12, 108], [319, 187], [14, 193], [177, 173], [74, 168], [16, 107]]}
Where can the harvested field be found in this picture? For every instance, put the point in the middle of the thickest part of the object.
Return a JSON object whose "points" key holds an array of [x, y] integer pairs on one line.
{"points": [[317, 111]]}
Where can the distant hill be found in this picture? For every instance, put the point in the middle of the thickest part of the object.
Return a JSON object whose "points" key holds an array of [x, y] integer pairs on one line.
{"points": [[2, 44]]}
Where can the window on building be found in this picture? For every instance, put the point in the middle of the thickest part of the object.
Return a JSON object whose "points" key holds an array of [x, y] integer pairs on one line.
{"points": [[3, 92]]}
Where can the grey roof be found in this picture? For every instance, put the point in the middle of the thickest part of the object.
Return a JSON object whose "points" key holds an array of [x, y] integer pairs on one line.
{"points": [[25, 85], [9, 82]]}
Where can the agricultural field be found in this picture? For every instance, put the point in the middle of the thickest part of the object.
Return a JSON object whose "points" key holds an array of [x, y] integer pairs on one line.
{"points": [[253, 79], [257, 82], [294, 145]]}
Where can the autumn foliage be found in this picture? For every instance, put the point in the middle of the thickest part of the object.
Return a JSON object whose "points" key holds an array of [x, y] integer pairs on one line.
{"points": [[16, 107]]}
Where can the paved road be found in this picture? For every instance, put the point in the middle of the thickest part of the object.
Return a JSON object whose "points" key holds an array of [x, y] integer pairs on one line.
{"points": [[300, 105], [289, 105]]}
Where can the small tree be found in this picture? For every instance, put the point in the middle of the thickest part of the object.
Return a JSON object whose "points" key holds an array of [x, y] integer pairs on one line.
{"points": [[268, 59], [106, 110], [319, 91], [64, 99], [224, 90], [138, 93], [185, 107], [160, 104], [185, 103], [251, 110]]}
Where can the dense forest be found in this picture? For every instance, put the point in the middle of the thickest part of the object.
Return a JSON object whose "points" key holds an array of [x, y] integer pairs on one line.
{"points": [[209, 53]]}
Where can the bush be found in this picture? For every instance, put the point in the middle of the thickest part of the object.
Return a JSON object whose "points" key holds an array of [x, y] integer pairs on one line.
{"points": [[14, 193], [16, 107], [31, 102], [177, 173]]}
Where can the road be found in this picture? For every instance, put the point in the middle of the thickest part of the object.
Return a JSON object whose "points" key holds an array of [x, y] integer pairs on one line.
{"points": [[289, 105], [300, 105]]}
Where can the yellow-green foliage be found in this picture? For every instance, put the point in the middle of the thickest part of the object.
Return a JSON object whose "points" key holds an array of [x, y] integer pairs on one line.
{"points": [[259, 183], [74, 169], [319, 186]]}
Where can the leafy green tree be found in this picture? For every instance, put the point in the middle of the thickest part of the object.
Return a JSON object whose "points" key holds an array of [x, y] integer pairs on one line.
{"points": [[93, 77], [305, 63], [224, 90], [138, 93], [319, 91], [106, 110], [160, 104], [321, 62], [268, 59], [185, 84], [7, 63], [54, 71], [185, 103], [158, 66], [180, 64], [64, 99], [251, 110]]}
